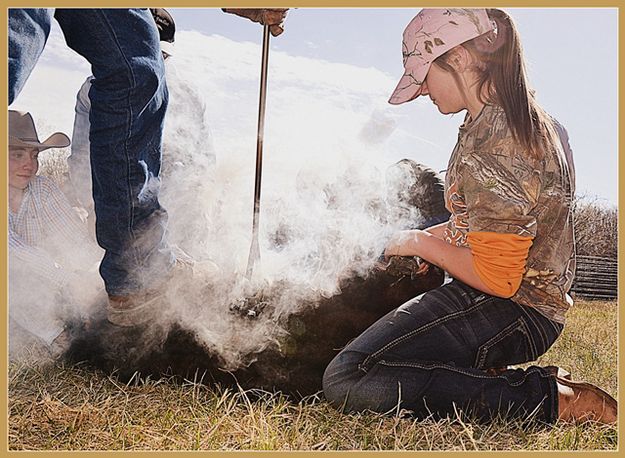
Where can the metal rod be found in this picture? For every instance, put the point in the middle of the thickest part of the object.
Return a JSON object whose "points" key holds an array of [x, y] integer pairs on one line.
{"points": [[254, 255]]}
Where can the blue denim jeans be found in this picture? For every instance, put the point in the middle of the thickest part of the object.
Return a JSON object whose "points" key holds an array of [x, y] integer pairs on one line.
{"points": [[128, 103], [429, 357]]}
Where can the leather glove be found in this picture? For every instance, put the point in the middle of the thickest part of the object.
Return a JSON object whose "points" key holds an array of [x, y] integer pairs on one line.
{"points": [[403, 266], [273, 17]]}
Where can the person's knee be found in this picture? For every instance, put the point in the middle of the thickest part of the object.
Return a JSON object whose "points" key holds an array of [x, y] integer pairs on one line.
{"points": [[340, 375], [142, 73], [138, 86], [146, 76], [335, 392]]}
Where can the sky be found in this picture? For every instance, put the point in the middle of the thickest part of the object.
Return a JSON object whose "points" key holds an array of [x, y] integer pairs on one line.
{"points": [[331, 73]]}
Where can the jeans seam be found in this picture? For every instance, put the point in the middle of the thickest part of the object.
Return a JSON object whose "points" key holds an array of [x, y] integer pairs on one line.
{"points": [[131, 207], [517, 325], [540, 329], [539, 320], [530, 339], [415, 365], [425, 327], [555, 406]]}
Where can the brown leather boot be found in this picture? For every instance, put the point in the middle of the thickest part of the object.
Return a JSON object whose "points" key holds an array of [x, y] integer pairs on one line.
{"points": [[128, 311], [581, 401], [558, 372]]}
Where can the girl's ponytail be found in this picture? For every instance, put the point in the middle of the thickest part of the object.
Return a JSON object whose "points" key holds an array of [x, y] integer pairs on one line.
{"points": [[502, 73], [506, 68]]}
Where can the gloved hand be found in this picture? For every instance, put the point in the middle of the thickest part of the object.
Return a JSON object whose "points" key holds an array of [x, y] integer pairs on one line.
{"points": [[273, 17], [403, 266]]}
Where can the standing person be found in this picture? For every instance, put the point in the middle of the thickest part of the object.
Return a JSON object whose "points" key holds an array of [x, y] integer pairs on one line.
{"points": [[186, 148], [128, 103], [80, 188], [50, 252], [508, 245]]}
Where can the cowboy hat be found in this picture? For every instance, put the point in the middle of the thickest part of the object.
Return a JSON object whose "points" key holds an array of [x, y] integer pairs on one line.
{"points": [[22, 133]]}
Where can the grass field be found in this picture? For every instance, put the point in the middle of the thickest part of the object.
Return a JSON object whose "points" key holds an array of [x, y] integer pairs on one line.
{"points": [[57, 407]]}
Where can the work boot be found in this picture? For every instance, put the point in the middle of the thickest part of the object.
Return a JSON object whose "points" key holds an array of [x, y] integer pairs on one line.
{"points": [[139, 309], [134, 310], [581, 401], [558, 372]]}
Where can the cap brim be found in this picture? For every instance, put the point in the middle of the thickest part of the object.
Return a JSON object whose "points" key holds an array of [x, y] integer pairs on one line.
{"points": [[409, 86], [56, 140], [167, 47]]}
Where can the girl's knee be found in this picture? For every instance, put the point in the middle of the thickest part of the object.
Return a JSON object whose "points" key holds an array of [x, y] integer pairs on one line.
{"points": [[340, 375]]}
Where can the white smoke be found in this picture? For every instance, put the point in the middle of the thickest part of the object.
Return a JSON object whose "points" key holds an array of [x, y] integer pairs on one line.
{"points": [[324, 209], [324, 191]]}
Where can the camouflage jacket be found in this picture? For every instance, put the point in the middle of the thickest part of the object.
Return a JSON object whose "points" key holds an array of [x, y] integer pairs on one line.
{"points": [[493, 185]]}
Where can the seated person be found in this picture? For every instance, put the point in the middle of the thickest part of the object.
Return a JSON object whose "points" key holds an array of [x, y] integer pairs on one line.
{"points": [[49, 249]]}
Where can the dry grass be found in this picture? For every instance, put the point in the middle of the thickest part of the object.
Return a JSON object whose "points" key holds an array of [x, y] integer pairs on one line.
{"points": [[56, 407], [53, 164], [588, 347]]}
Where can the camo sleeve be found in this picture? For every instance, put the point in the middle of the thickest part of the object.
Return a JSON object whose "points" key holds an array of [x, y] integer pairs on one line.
{"points": [[500, 190]]}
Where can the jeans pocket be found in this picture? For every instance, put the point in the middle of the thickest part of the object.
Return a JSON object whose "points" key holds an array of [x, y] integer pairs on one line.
{"points": [[513, 345]]}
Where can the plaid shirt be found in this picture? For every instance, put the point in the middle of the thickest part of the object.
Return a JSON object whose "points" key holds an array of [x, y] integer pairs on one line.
{"points": [[45, 230]]}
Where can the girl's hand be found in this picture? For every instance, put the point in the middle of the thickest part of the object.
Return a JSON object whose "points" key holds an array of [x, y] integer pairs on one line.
{"points": [[404, 266], [424, 266], [403, 243]]}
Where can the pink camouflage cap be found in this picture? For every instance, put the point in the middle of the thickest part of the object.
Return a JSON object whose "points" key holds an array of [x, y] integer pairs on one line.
{"points": [[432, 33]]}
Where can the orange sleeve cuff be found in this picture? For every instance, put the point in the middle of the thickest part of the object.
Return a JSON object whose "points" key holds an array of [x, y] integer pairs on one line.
{"points": [[499, 260]]}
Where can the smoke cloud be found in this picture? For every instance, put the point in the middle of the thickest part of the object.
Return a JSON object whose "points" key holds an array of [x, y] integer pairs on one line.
{"points": [[326, 192]]}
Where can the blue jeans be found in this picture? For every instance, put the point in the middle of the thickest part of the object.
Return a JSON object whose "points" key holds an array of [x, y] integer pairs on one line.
{"points": [[128, 103], [429, 357]]}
